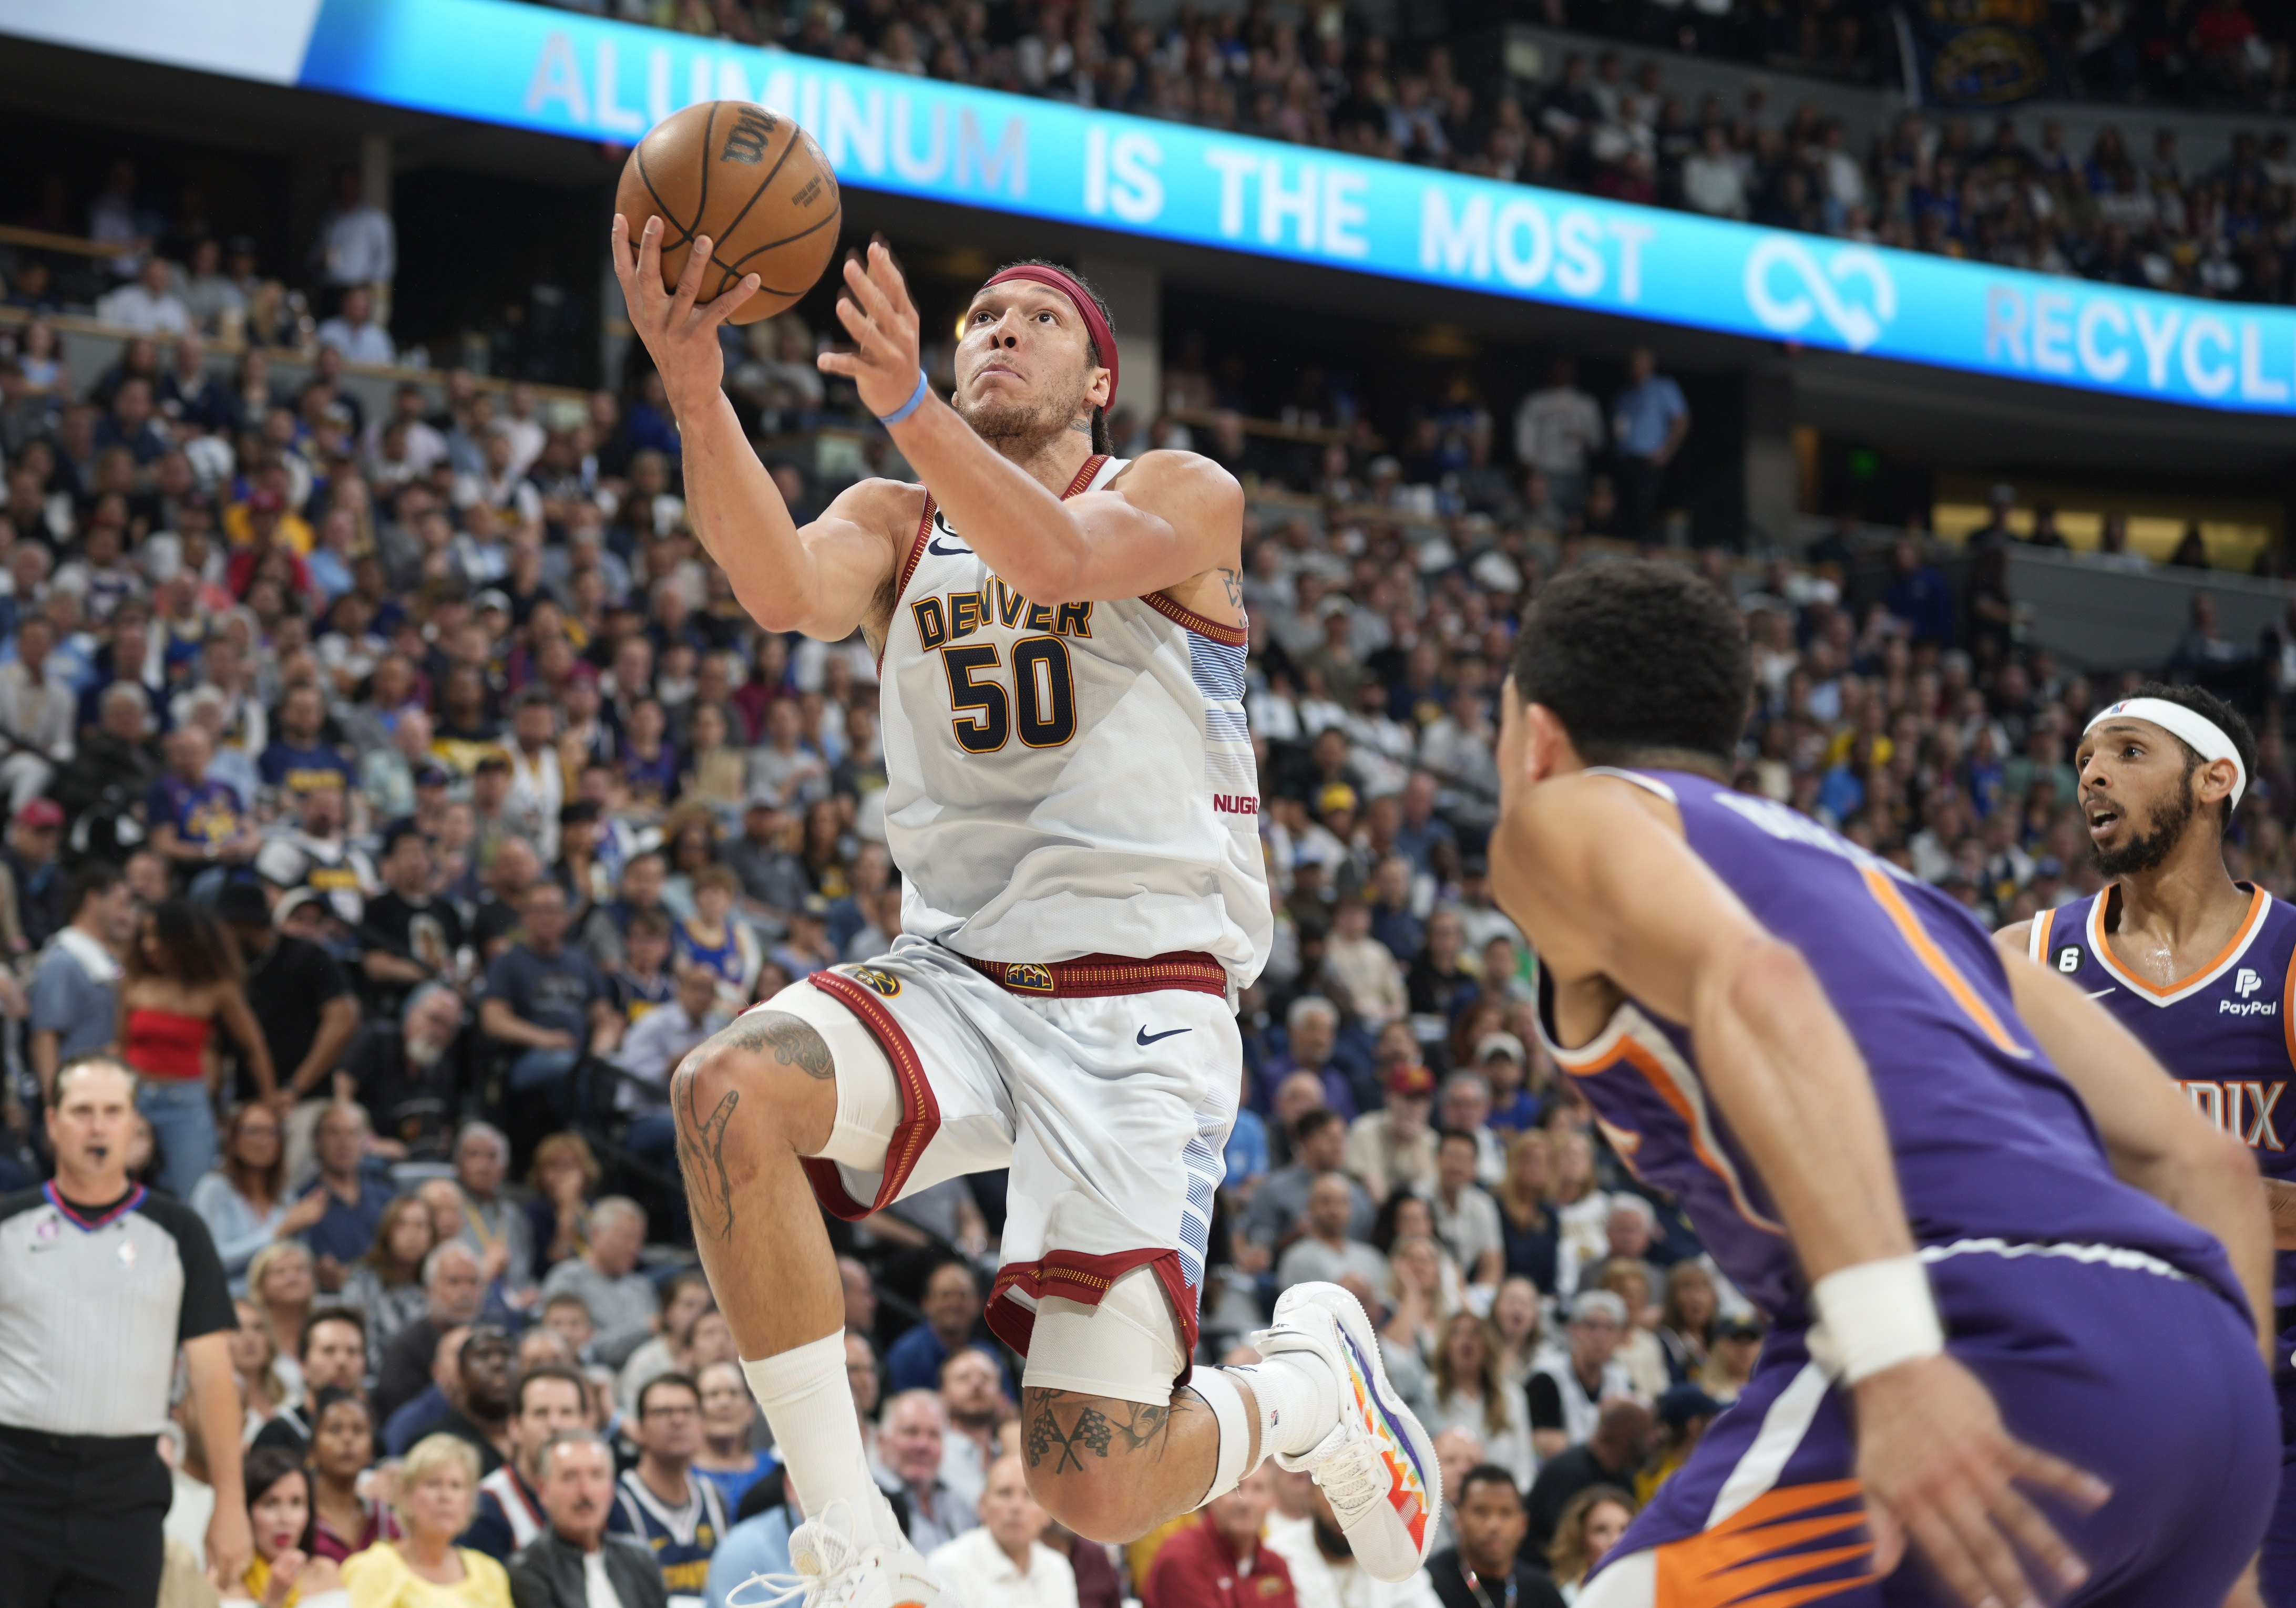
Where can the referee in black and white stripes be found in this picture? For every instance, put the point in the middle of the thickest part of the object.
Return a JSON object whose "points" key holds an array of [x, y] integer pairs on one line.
{"points": [[100, 1283]]}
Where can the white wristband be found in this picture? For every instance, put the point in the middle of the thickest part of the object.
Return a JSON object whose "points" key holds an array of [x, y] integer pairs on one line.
{"points": [[1873, 1316]]}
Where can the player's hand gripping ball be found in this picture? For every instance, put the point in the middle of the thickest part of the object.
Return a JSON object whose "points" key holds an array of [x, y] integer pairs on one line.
{"points": [[752, 180]]}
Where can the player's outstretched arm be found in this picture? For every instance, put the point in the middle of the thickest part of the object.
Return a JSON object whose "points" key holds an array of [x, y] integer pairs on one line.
{"points": [[2157, 1141], [1598, 877], [1177, 516], [825, 579]]}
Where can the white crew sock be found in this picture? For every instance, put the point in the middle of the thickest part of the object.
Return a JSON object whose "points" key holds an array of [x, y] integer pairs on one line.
{"points": [[817, 1432], [1298, 1400]]}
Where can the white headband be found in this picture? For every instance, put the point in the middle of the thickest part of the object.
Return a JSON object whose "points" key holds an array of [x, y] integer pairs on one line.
{"points": [[2198, 732]]}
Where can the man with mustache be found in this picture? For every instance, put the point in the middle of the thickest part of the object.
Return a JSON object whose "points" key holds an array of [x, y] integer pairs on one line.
{"points": [[2195, 964], [574, 1562]]}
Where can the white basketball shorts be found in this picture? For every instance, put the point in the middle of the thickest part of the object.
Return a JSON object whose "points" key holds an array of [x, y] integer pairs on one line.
{"points": [[1106, 1084]]}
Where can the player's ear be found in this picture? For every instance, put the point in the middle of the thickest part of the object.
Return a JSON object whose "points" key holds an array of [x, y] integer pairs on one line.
{"points": [[2217, 778], [1532, 744], [1097, 389], [1549, 750]]}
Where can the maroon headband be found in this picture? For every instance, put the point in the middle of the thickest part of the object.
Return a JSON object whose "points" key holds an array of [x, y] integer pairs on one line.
{"points": [[1103, 339]]}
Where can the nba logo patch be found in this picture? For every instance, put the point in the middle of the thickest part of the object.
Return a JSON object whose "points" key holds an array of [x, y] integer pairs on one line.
{"points": [[127, 1252], [49, 1228], [880, 983], [1029, 975], [2069, 958]]}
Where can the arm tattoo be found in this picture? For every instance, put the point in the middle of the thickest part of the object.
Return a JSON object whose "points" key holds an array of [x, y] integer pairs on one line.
{"points": [[791, 1039], [1233, 579], [702, 1153]]}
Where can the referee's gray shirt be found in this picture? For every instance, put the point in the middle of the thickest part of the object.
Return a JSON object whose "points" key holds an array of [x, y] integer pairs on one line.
{"points": [[93, 1304]]}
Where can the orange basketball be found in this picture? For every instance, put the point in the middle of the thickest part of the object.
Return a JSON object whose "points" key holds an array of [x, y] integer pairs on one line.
{"points": [[752, 181]]}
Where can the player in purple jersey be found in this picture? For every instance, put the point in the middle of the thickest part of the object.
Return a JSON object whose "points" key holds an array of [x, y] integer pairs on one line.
{"points": [[2011, 1275], [2197, 966]]}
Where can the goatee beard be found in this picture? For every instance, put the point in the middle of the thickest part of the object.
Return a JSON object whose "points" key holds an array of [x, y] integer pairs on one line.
{"points": [[1018, 432], [2146, 852]]}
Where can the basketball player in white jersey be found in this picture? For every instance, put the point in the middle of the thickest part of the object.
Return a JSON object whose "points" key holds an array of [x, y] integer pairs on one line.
{"points": [[1072, 803]]}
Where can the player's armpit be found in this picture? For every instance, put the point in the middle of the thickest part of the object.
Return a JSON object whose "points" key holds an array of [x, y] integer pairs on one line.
{"points": [[2154, 1139], [855, 553]]}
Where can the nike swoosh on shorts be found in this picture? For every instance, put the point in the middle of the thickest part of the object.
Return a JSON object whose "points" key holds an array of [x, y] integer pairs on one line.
{"points": [[1145, 1037]]}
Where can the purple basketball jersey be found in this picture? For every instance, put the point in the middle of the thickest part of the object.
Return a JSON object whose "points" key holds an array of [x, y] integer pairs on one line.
{"points": [[1992, 1146], [2224, 1032]]}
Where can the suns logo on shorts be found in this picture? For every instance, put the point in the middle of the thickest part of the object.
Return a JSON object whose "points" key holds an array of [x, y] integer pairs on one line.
{"points": [[876, 982], [1029, 974]]}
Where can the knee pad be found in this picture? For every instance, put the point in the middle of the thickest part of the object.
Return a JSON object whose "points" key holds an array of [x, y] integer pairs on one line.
{"points": [[1127, 1346], [868, 1099]]}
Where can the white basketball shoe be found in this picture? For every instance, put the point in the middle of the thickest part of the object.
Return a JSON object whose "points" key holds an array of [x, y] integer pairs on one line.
{"points": [[832, 1569], [1377, 1467]]}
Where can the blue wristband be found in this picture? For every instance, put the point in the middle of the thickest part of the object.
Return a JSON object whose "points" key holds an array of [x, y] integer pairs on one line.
{"points": [[917, 400]]}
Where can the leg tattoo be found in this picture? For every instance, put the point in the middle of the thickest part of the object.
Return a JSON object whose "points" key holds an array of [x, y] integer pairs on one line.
{"points": [[702, 1140], [702, 1153], [1088, 1433], [1143, 1428], [791, 1039]]}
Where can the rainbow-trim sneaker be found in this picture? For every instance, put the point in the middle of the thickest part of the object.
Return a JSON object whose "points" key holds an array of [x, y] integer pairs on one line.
{"points": [[1377, 1465]]}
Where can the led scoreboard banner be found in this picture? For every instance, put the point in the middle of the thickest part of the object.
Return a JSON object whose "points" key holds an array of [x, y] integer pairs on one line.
{"points": [[560, 72]]}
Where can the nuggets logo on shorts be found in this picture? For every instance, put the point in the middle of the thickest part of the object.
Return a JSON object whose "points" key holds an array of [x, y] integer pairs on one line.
{"points": [[1029, 974], [883, 983]]}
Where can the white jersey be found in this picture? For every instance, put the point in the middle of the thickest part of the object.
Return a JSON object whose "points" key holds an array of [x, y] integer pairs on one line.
{"points": [[1067, 781]]}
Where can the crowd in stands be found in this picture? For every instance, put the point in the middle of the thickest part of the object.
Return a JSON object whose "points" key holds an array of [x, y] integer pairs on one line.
{"points": [[1969, 187], [401, 794], [403, 797]]}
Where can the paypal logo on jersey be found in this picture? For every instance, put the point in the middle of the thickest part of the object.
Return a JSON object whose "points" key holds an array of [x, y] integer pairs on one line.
{"points": [[2245, 983]]}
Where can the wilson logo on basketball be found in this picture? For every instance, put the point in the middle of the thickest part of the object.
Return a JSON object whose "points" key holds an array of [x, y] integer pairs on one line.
{"points": [[745, 141]]}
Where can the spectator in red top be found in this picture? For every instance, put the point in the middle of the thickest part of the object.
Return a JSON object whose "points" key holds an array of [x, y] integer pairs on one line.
{"points": [[1218, 1562], [265, 509]]}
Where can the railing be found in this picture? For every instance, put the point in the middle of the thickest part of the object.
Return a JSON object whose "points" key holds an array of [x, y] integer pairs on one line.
{"points": [[42, 239], [91, 346], [2091, 618]]}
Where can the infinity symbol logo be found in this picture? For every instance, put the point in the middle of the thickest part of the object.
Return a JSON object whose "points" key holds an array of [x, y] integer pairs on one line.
{"points": [[1859, 326]]}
